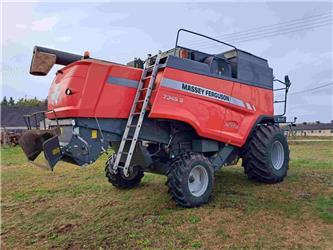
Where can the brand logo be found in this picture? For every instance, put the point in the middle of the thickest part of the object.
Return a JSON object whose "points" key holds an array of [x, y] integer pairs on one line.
{"points": [[210, 93], [55, 95], [231, 124], [205, 92]]}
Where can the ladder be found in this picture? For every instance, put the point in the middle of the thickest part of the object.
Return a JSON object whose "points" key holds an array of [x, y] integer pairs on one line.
{"points": [[136, 111]]}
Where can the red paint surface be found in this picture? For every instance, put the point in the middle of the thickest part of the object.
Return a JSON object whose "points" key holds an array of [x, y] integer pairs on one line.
{"points": [[93, 97]]}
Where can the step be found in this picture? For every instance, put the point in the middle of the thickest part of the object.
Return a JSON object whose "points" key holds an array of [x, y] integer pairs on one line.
{"points": [[150, 67], [124, 153], [132, 126], [129, 139]]}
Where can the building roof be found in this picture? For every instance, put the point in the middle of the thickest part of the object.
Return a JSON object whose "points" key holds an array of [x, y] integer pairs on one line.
{"points": [[313, 126], [12, 116]]}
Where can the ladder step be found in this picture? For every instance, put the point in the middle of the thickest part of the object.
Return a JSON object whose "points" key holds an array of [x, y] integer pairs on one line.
{"points": [[123, 153], [150, 66], [130, 139], [138, 101], [146, 77], [143, 89], [136, 113], [134, 125]]}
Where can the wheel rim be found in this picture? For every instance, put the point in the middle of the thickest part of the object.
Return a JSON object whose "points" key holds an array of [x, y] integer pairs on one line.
{"points": [[198, 180], [133, 172], [277, 155]]}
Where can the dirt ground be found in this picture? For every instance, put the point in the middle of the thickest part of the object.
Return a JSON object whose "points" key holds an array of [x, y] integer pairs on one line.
{"points": [[76, 208]]}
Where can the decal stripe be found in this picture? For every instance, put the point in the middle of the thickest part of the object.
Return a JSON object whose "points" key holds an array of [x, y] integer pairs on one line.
{"points": [[122, 81], [248, 106], [209, 93], [182, 86], [237, 102]]}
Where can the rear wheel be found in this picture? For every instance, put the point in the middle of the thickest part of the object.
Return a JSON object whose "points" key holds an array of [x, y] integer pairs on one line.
{"points": [[266, 156], [118, 179], [190, 180]]}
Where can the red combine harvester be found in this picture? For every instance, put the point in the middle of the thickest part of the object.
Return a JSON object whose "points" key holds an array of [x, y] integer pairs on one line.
{"points": [[182, 113]]}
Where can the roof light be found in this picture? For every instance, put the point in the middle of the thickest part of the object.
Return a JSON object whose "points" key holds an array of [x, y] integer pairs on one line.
{"points": [[86, 55], [183, 53]]}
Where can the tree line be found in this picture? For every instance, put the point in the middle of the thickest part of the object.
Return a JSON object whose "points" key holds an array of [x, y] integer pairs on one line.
{"points": [[31, 102]]}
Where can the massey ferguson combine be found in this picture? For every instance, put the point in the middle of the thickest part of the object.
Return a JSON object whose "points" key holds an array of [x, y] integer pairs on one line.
{"points": [[181, 113]]}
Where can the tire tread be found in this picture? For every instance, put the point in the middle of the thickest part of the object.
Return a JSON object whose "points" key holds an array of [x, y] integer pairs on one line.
{"points": [[255, 156], [117, 180], [174, 181]]}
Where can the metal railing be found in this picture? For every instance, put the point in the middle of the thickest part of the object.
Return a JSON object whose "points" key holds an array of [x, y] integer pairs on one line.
{"points": [[204, 36], [286, 84], [35, 119]]}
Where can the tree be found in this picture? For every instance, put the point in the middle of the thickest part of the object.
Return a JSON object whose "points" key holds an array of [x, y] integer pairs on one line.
{"points": [[23, 101], [20, 102], [4, 101], [30, 102], [11, 101]]}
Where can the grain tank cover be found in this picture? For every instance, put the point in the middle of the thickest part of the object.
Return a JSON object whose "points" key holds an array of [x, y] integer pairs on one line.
{"points": [[250, 68]]}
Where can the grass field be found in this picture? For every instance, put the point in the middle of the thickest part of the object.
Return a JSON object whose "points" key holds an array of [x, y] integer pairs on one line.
{"points": [[77, 208]]}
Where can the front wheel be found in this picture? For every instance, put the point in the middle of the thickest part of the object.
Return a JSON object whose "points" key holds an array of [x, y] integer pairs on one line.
{"points": [[266, 155], [119, 180], [191, 179]]}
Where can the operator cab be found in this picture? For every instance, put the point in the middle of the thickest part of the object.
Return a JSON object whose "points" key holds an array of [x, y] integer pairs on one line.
{"points": [[217, 64], [233, 65]]}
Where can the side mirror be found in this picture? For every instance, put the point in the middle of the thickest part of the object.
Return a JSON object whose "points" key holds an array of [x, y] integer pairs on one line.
{"points": [[41, 63], [287, 81]]}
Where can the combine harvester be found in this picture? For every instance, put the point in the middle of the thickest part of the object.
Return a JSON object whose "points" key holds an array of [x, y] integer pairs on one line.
{"points": [[181, 113]]}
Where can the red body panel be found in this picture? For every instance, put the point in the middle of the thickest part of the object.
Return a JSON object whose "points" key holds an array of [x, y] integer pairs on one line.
{"points": [[102, 90], [92, 95], [211, 118]]}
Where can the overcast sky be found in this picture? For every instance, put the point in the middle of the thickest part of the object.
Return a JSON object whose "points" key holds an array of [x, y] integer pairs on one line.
{"points": [[121, 31]]}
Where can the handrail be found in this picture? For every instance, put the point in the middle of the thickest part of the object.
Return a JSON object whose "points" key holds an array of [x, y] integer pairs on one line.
{"points": [[198, 34], [286, 88], [35, 114]]}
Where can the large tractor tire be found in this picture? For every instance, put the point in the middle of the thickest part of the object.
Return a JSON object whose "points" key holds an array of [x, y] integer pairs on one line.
{"points": [[266, 155], [119, 180], [190, 179]]}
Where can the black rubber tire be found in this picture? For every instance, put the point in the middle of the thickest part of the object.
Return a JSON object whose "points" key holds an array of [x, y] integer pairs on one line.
{"points": [[257, 160], [178, 176], [119, 180]]}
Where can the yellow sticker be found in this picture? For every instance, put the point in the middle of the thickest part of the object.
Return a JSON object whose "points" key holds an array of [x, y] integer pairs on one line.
{"points": [[56, 151], [61, 130], [93, 134]]}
